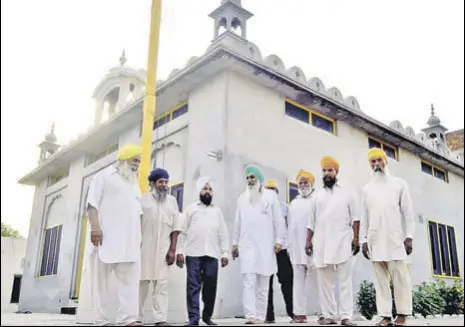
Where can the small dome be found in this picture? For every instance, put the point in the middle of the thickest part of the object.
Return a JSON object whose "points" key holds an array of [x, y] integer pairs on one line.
{"points": [[433, 119], [51, 137]]}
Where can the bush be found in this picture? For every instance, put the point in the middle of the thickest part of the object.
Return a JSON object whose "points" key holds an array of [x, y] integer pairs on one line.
{"points": [[430, 298], [427, 300]]}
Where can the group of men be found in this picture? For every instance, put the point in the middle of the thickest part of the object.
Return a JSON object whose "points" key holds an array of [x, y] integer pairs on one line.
{"points": [[140, 237]]}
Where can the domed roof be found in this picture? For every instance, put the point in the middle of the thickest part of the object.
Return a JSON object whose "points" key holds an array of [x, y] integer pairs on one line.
{"points": [[433, 119], [51, 137]]}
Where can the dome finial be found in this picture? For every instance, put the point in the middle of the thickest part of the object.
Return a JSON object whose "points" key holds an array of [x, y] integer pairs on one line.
{"points": [[432, 109], [123, 59]]}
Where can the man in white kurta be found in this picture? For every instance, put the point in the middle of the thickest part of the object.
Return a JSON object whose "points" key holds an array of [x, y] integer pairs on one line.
{"points": [[388, 227], [299, 211], [114, 210], [258, 234], [161, 226], [204, 241], [332, 239]]}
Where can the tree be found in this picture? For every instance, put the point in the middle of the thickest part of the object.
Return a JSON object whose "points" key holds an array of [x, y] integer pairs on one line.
{"points": [[8, 231]]}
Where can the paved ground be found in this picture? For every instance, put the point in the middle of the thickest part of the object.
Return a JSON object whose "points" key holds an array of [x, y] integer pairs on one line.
{"points": [[12, 319]]}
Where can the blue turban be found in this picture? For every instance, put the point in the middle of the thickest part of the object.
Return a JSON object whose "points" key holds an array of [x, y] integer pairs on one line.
{"points": [[256, 171], [157, 174]]}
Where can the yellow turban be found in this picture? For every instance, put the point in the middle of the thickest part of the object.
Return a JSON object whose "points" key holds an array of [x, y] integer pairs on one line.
{"points": [[329, 162], [376, 153], [305, 174], [271, 184], [129, 151]]}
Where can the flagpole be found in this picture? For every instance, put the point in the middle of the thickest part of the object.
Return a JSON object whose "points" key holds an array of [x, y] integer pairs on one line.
{"points": [[150, 96]]}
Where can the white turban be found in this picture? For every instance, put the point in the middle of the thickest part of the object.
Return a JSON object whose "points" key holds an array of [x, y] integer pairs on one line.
{"points": [[202, 181]]}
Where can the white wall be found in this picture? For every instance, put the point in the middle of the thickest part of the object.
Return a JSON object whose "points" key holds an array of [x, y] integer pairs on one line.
{"points": [[13, 252]]}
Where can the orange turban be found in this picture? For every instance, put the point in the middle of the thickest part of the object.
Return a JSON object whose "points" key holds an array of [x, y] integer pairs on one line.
{"points": [[305, 174], [376, 153], [271, 184], [329, 162]]}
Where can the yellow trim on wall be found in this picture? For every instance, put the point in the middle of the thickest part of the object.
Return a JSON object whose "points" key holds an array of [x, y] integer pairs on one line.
{"points": [[313, 112], [383, 144], [440, 253], [170, 112], [434, 167], [85, 220]]}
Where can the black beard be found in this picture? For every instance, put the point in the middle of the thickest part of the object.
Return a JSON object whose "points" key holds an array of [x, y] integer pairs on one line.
{"points": [[206, 199], [329, 182]]}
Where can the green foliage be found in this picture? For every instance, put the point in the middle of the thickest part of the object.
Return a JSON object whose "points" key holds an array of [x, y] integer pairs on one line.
{"points": [[366, 299], [8, 231], [429, 298]]}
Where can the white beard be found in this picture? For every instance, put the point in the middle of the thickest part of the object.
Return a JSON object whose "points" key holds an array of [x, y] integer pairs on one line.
{"points": [[159, 195], [253, 192], [381, 174], [305, 192], [126, 171]]}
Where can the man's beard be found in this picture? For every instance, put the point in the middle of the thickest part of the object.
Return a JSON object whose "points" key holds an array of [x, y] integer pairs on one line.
{"points": [[329, 181], [253, 191], [127, 171], [379, 171], [160, 193], [206, 199], [305, 191]]}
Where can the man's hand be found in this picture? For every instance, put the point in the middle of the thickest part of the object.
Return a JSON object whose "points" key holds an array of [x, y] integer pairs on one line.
{"points": [[365, 251], [235, 252], [96, 237], [170, 256], [277, 248], [355, 246], [309, 248], [180, 260], [408, 245], [224, 262]]}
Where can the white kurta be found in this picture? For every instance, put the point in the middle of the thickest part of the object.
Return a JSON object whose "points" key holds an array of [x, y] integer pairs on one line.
{"points": [[299, 211], [387, 218], [119, 209], [285, 212], [333, 212], [159, 220], [258, 227], [204, 233]]}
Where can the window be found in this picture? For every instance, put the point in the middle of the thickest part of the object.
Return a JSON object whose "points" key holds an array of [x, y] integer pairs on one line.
{"points": [[51, 251], [434, 171], [58, 177], [443, 248], [94, 157], [292, 191], [391, 151], [308, 116], [177, 190], [16, 290], [172, 114]]}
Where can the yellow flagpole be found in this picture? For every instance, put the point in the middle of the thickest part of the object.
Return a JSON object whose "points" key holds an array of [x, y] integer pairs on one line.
{"points": [[150, 96]]}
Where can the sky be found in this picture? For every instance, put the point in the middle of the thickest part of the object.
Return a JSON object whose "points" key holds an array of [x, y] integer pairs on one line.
{"points": [[396, 57]]}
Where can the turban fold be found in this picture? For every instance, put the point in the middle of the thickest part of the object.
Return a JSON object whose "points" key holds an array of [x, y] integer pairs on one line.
{"points": [[202, 181], [157, 174], [376, 153], [305, 174], [256, 171], [329, 162], [129, 151], [271, 184]]}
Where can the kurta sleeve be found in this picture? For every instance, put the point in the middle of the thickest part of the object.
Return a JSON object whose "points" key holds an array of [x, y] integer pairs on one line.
{"points": [[223, 236], [354, 208], [406, 207], [182, 238], [312, 215], [285, 212], [278, 221], [237, 225], [95, 193], [364, 222], [178, 222]]}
